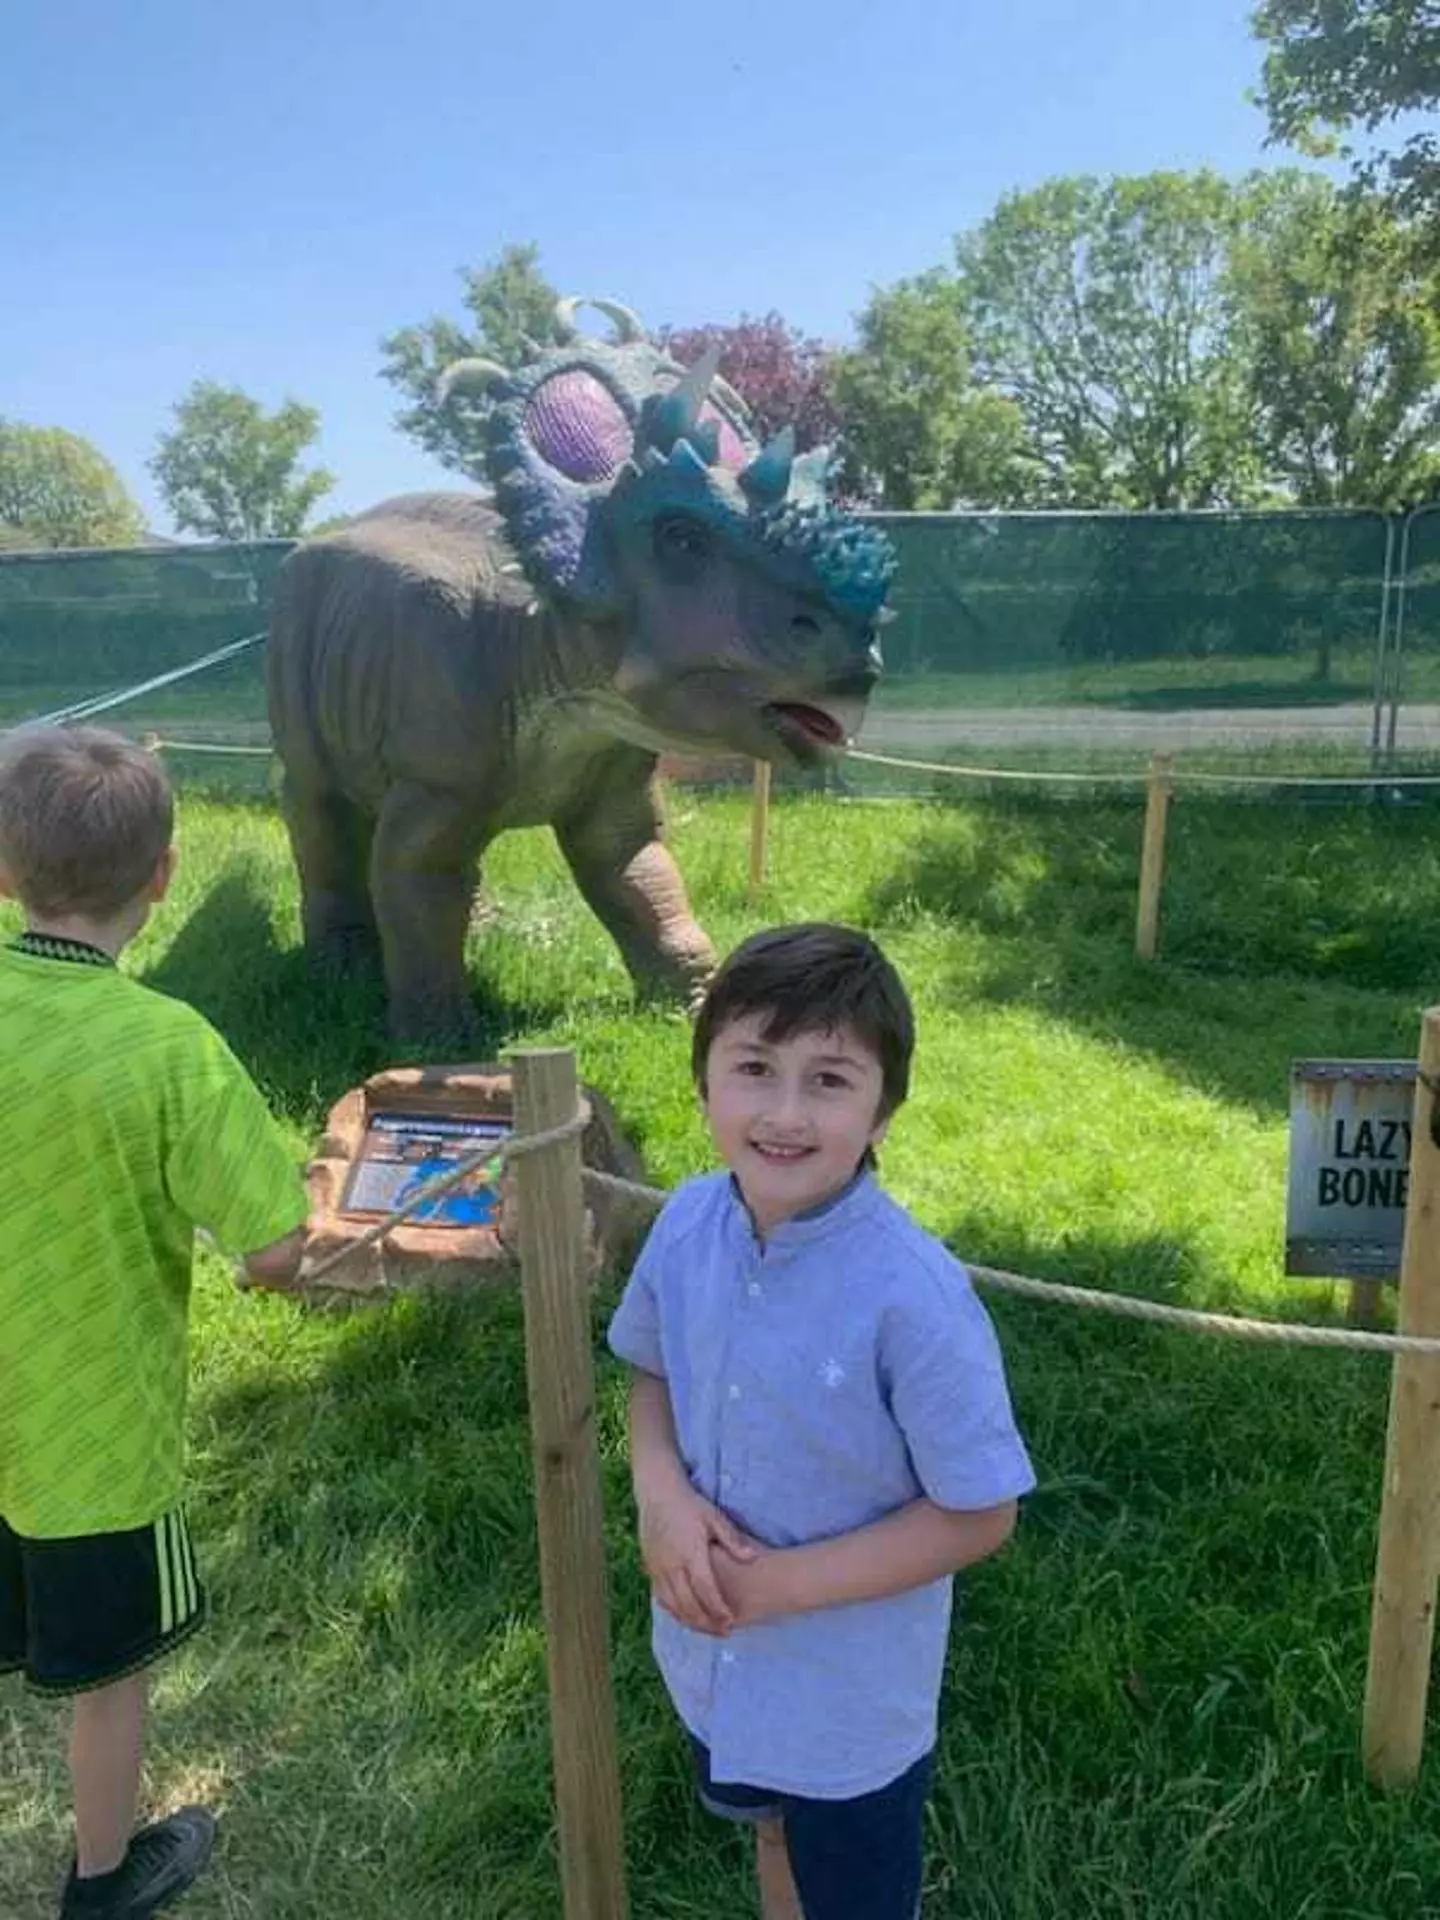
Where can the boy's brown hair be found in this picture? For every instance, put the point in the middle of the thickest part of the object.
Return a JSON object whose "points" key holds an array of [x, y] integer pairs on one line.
{"points": [[85, 818], [813, 978]]}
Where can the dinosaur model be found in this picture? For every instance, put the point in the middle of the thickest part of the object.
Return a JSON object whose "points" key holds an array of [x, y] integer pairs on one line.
{"points": [[643, 577]]}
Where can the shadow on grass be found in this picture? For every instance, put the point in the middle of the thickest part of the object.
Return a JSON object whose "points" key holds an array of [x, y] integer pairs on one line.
{"points": [[1279, 922], [306, 1033]]}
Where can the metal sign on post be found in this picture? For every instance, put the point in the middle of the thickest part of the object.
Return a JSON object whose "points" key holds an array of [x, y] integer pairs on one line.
{"points": [[1350, 1124]]}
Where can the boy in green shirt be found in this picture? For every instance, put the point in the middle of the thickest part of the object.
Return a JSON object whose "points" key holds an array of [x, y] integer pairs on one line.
{"points": [[125, 1123]]}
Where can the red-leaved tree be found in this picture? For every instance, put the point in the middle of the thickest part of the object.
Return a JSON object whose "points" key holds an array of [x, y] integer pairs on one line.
{"points": [[780, 374]]}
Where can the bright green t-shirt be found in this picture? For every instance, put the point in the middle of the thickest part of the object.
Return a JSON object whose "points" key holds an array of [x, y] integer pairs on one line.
{"points": [[125, 1122]]}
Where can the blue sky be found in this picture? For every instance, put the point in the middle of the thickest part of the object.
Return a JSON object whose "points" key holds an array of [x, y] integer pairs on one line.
{"points": [[257, 194]]}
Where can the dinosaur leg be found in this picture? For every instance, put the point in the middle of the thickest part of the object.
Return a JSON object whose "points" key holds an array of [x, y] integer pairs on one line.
{"points": [[423, 870], [330, 837], [614, 841]]}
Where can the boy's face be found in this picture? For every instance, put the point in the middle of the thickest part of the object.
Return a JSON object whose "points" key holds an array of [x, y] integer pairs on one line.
{"points": [[791, 1118]]}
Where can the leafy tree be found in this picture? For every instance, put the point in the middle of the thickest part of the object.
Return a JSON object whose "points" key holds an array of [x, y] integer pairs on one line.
{"points": [[1342, 317], [333, 523], [57, 490], [917, 432], [1334, 64], [511, 304], [229, 471], [1100, 308], [779, 372]]}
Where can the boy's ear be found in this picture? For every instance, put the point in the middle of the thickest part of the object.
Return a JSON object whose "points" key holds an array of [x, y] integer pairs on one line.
{"points": [[164, 873], [881, 1126]]}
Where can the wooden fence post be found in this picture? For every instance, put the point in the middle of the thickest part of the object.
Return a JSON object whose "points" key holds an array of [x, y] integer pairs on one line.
{"points": [[759, 826], [1402, 1618], [1152, 858], [568, 1507]]}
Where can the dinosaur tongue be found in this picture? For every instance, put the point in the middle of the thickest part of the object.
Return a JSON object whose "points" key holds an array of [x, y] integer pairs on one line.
{"points": [[815, 721]]}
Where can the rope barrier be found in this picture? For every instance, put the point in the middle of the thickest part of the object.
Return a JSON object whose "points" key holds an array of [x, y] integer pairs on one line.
{"points": [[1128, 1306], [991, 773], [1174, 775], [206, 746], [1308, 779]]}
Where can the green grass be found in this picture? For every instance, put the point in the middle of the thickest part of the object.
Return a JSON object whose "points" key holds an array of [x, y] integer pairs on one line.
{"points": [[1152, 1704]]}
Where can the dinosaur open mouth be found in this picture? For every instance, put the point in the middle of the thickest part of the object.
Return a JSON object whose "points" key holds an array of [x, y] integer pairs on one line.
{"points": [[814, 722]]}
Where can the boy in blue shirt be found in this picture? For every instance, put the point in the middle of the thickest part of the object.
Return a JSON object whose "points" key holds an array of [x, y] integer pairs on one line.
{"points": [[821, 1433]]}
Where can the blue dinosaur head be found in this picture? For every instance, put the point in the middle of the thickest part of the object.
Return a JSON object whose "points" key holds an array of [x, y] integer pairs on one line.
{"points": [[635, 493]]}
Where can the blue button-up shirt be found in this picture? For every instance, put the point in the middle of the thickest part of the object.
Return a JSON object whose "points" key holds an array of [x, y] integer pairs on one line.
{"points": [[819, 1381]]}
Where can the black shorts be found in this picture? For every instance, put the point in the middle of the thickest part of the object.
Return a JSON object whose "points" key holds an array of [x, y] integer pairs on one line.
{"points": [[852, 1859], [76, 1614]]}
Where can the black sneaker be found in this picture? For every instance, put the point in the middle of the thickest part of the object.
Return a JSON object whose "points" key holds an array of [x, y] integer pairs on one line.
{"points": [[161, 1862]]}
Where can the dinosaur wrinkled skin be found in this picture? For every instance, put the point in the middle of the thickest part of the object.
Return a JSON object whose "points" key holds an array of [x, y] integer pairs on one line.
{"points": [[447, 666]]}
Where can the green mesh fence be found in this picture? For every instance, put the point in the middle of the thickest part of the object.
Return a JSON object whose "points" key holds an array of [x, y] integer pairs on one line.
{"points": [[1237, 642], [75, 626], [1234, 641], [1413, 681]]}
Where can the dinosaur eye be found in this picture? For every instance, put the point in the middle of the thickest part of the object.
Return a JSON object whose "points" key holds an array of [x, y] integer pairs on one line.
{"points": [[681, 537]]}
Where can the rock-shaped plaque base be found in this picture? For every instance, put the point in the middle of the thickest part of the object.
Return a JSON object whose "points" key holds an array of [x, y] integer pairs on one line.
{"points": [[428, 1256]]}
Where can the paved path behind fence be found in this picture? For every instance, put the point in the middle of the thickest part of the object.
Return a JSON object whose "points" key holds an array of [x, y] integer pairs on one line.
{"points": [[1093, 727]]}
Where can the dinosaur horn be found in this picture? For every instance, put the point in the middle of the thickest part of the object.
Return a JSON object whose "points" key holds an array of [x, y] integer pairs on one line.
{"points": [[627, 325], [689, 395], [668, 417], [767, 478], [629, 329], [468, 373], [721, 389]]}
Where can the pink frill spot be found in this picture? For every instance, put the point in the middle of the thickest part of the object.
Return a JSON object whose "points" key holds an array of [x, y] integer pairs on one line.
{"points": [[578, 427], [733, 451]]}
